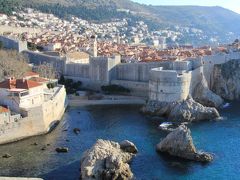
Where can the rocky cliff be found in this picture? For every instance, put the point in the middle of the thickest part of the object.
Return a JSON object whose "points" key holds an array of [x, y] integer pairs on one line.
{"points": [[227, 80], [182, 111], [179, 143], [203, 95], [108, 160]]}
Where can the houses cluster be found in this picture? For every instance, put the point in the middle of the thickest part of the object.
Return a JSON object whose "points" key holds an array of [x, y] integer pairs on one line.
{"points": [[143, 53], [118, 30], [135, 43], [130, 53]]}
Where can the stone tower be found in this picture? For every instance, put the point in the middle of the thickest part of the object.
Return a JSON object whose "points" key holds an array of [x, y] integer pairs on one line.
{"points": [[94, 47], [95, 53]]}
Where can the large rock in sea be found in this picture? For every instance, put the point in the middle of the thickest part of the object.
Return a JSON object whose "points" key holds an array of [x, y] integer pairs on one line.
{"points": [[182, 111], [227, 80], [191, 110], [108, 160], [179, 143]]}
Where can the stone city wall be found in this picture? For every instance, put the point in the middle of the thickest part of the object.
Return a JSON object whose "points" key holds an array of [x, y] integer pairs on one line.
{"points": [[103, 69], [14, 44], [77, 70], [136, 88], [39, 58], [138, 71]]}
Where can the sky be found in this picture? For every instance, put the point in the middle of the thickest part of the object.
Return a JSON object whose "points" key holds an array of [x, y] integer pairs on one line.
{"points": [[234, 5]]}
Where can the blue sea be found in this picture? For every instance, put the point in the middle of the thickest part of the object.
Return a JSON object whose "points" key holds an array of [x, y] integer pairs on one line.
{"points": [[222, 138]]}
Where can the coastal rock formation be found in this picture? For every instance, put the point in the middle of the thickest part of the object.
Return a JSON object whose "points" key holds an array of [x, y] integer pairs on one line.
{"points": [[128, 146], [108, 160], [62, 149], [182, 111], [190, 110], [227, 80], [179, 143], [203, 95], [7, 155], [76, 130]]}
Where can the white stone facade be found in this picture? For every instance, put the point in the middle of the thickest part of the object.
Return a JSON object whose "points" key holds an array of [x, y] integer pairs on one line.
{"points": [[37, 111]]}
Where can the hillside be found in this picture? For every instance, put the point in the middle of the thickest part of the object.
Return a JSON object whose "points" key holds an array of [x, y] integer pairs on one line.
{"points": [[210, 18], [215, 21]]}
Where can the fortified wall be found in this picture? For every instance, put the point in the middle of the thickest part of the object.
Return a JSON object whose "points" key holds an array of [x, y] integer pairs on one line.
{"points": [[37, 120], [99, 71], [11, 43], [180, 80], [39, 58], [103, 71], [167, 80]]}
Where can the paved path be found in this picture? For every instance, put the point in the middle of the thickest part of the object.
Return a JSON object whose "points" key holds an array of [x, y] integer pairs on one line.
{"points": [[4, 29], [110, 100]]}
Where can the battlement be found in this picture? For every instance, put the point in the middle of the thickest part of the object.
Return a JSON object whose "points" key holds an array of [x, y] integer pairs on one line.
{"points": [[158, 74]]}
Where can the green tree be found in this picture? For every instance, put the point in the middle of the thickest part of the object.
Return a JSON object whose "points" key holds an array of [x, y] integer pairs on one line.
{"points": [[8, 6]]}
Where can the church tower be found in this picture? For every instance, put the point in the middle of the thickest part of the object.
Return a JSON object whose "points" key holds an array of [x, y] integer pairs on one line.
{"points": [[95, 49]]}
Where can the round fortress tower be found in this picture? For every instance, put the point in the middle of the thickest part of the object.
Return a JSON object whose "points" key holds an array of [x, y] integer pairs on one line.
{"points": [[169, 85]]}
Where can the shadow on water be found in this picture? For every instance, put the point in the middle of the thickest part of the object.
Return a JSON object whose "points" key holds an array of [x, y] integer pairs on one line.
{"points": [[68, 172], [179, 165]]}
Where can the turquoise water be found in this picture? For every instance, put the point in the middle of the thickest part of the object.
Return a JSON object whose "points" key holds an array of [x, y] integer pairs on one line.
{"points": [[118, 123]]}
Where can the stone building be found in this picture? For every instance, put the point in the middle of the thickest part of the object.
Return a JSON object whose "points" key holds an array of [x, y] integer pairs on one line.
{"points": [[32, 108], [7, 117]]}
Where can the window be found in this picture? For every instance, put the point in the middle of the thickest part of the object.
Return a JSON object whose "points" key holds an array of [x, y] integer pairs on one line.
{"points": [[24, 93]]}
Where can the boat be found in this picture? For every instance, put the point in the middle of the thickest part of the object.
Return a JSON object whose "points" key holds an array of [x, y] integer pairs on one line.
{"points": [[165, 125], [226, 105]]}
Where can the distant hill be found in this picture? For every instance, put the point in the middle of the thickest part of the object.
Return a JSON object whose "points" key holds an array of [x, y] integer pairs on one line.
{"points": [[212, 20]]}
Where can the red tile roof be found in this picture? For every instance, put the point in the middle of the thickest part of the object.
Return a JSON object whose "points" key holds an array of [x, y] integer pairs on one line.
{"points": [[39, 79], [3, 109], [30, 73], [18, 84]]}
